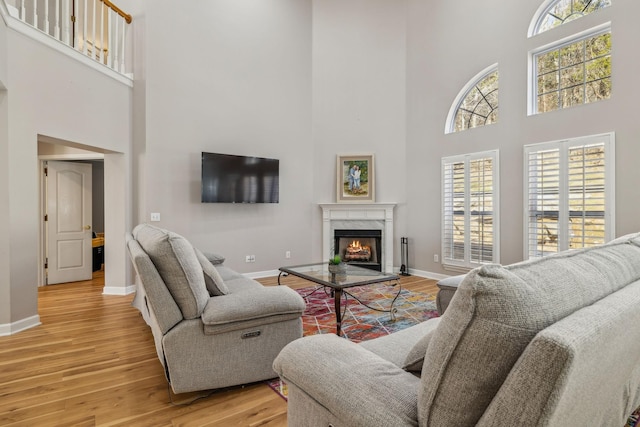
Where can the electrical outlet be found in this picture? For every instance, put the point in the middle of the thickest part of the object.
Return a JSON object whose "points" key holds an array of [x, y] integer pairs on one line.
{"points": [[253, 258], [155, 216], [247, 258], [436, 258], [287, 254]]}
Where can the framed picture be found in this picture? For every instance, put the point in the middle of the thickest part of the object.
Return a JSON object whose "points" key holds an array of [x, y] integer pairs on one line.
{"points": [[355, 179]]}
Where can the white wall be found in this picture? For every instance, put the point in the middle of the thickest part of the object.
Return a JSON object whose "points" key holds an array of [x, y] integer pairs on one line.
{"points": [[5, 290], [448, 43], [233, 78], [54, 95], [301, 81], [359, 56]]}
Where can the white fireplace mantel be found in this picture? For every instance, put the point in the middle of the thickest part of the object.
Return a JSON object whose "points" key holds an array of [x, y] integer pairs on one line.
{"points": [[359, 216]]}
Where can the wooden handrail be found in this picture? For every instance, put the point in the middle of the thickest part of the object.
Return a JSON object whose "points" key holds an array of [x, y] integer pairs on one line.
{"points": [[119, 11]]}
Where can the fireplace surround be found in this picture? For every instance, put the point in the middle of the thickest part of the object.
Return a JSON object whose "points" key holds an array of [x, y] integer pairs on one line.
{"points": [[359, 216]]}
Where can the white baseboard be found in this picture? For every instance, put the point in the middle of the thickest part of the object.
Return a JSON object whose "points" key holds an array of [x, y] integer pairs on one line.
{"points": [[19, 326], [428, 274], [116, 290], [261, 274]]}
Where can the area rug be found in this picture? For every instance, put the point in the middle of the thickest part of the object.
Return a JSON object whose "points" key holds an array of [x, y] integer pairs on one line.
{"points": [[634, 419], [359, 322]]}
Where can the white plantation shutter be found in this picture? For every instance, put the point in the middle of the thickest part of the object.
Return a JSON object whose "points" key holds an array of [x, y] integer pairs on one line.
{"points": [[570, 189], [469, 210], [543, 190]]}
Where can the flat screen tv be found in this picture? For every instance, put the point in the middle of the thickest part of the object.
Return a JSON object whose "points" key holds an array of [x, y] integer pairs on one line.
{"points": [[239, 179]]}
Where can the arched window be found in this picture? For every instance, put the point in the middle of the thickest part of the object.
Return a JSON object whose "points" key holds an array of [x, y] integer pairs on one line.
{"points": [[554, 13], [476, 104]]}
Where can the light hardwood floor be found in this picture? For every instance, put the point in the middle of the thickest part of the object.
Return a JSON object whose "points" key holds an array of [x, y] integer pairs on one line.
{"points": [[93, 362]]}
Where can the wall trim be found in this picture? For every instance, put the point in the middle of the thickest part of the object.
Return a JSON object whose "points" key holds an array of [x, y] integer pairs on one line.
{"points": [[427, 274], [117, 290], [19, 326]]}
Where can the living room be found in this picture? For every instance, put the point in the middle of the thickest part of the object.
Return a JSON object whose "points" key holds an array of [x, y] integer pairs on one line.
{"points": [[301, 81]]}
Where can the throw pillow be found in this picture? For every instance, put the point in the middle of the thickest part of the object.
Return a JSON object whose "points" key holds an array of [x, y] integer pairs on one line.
{"points": [[214, 259], [212, 279], [415, 358], [177, 263]]}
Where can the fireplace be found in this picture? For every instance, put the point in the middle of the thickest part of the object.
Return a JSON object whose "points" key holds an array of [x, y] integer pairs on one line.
{"points": [[360, 247], [357, 216]]}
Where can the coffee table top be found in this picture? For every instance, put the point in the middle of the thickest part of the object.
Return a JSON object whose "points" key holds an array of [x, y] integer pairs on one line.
{"points": [[353, 276]]}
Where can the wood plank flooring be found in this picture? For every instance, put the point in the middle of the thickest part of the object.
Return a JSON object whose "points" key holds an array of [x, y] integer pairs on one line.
{"points": [[92, 362]]}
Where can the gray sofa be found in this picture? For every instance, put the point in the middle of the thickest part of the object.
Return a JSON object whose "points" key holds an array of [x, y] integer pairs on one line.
{"points": [[212, 327], [550, 342]]}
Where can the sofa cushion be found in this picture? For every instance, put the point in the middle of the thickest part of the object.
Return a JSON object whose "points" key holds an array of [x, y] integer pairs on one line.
{"points": [[415, 358], [212, 279], [397, 346], [177, 263], [496, 313]]}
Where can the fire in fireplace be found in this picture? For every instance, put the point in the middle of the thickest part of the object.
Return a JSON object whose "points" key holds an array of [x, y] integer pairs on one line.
{"points": [[360, 247], [357, 252]]}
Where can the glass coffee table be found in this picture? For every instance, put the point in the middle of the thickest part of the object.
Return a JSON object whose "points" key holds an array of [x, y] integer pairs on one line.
{"points": [[338, 282]]}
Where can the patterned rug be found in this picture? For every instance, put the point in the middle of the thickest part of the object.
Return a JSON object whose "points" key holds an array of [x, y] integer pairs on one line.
{"points": [[359, 322], [634, 419]]}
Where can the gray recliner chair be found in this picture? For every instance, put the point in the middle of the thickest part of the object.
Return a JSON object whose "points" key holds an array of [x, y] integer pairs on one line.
{"points": [[212, 327]]}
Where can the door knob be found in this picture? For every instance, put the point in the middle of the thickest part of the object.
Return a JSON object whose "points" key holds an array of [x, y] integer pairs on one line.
{"points": [[87, 227]]}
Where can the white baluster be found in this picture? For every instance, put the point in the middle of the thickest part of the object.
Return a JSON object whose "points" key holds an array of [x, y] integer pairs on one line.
{"points": [[35, 13], [56, 26], [66, 22], [110, 38], [84, 28], [102, 44], [122, 51], [46, 16], [116, 63], [94, 53], [23, 12]]}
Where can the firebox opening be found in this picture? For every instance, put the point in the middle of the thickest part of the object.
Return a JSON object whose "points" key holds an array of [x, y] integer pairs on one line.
{"points": [[360, 247]]}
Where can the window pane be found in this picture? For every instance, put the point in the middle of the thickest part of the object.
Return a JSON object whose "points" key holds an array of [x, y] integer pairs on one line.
{"points": [[479, 105], [572, 76], [572, 96], [549, 102], [544, 201], [575, 74], [567, 197], [586, 181], [481, 209], [468, 211], [562, 11], [548, 83], [453, 221], [572, 54]]}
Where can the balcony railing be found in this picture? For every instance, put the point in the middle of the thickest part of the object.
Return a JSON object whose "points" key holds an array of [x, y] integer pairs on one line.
{"points": [[96, 28]]}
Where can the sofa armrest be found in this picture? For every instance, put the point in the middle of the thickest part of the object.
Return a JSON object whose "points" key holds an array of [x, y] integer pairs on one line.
{"points": [[251, 307], [355, 385]]}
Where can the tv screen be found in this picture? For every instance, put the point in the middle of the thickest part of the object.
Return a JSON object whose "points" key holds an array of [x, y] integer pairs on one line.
{"points": [[239, 179]]}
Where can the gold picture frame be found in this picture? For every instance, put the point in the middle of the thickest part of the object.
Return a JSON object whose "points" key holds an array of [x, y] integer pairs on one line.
{"points": [[355, 178]]}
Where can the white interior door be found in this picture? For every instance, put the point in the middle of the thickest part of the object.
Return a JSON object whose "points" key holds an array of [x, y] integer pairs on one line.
{"points": [[69, 251]]}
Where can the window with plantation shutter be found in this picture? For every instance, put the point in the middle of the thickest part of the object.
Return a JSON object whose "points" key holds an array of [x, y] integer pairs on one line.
{"points": [[470, 210], [570, 190]]}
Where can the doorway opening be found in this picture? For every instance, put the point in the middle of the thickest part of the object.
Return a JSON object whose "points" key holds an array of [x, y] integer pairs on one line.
{"points": [[72, 205]]}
